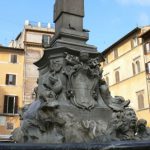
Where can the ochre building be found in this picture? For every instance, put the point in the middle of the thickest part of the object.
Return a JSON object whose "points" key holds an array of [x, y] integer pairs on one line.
{"points": [[11, 87], [127, 69], [30, 39], [18, 75]]}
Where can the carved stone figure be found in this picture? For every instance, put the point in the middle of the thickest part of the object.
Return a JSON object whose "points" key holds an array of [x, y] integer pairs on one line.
{"points": [[143, 132], [122, 126], [118, 103], [129, 124]]}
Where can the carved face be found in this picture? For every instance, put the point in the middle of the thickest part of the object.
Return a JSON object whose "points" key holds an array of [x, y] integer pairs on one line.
{"points": [[55, 65], [84, 56], [141, 125], [130, 116], [94, 62], [117, 119]]}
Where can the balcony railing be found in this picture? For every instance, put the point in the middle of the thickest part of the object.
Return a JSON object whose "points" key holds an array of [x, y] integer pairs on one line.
{"points": [[39, 24]]}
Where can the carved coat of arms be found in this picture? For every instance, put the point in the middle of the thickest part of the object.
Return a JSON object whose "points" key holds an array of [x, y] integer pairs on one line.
{"points": [[83, 76]]}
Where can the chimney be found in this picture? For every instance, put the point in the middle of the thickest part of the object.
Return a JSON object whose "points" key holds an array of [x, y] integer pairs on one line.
{"points": [[26, 22], [49, 25], [39, 24]]}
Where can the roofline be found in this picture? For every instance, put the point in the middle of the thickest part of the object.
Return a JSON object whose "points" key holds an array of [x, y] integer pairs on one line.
{"points": [[38, 31], [11, 48], [145, 34], [120, 40]]}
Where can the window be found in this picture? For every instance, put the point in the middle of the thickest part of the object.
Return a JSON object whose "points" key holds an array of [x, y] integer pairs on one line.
{"points": [[107, 80], [133, 68], [10, 79], [10, 104], [140, 98], [138, 66], [147, 47], [134, 42], [117, 76], [148, 67], [13, 59], [116, 53], [9, 126], [46, 40], [106, 61], [140, 101]]}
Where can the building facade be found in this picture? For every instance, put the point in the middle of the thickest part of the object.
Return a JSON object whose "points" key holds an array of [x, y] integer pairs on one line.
{"points": [[18, 75], [146, 47], [125, 70], [30, 39], [11, 87]]}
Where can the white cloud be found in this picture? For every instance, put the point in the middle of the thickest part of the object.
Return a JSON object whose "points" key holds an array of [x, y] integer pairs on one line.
{"points": [[134, 2], [143, 19]]}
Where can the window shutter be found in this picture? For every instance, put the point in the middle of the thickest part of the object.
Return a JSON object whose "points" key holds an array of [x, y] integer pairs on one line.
{"points": [[117, 76], [138, 66], [7, 79], [16, 105], [5, 104], [132, 44], [147, 47], [141, 101], [133, 68], [145, 51], [107, 80], [115, 53], [46, 40], [147, 66], [14, 80], [13, 58]]}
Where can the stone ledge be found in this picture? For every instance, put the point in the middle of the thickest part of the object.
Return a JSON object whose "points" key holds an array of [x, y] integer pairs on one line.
{"points": [[128, 145]]}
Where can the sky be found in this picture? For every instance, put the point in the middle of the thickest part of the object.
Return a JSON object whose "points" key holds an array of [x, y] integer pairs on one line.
{"points": [[107, 20]]}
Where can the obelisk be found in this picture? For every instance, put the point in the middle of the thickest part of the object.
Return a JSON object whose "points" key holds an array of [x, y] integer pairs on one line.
{"points": [[69, 14], [69, 31]]}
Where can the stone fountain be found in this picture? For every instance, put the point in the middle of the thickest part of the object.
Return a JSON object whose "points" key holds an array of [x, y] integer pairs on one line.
{"points": [[73, 103]]}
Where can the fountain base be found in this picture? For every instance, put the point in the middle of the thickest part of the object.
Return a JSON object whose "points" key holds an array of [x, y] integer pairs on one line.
{"points": [[126, 145]]}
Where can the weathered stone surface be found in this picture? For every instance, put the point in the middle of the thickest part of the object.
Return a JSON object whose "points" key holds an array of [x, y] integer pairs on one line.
{"points": [[69, 106], [69, 14], [69, 31], [83, 146]]}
